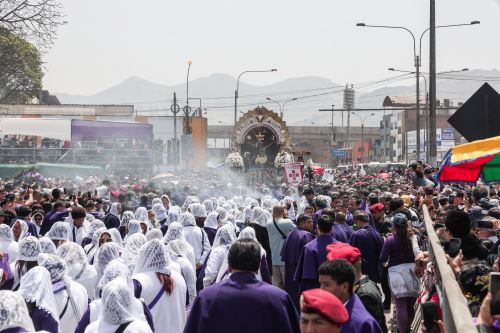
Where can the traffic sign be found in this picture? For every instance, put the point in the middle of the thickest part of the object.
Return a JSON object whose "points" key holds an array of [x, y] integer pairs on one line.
{"points": [[479, 117], [338, 152]]}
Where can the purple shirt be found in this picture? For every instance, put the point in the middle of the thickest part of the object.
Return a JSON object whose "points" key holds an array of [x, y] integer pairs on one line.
{"points": [[242, 304], [43, 321], [393, 252]]}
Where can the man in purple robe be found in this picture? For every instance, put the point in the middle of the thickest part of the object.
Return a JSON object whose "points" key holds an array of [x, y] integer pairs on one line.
{"points": [[242, 303], [290, 254], [337, 277], [369, 242], [341, 231], [313, 255]]}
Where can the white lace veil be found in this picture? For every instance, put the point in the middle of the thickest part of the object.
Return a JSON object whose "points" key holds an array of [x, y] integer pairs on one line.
{"points": [[225, 236], [187, 219], [174, 232], [115, 269], [36, 287], [6, 234], [29, 249], [14, 312], [119, 304], [54, 264], [259, 216], [154, 233], [59, 231], [107, 252], [211, 220], [75, 258], [132, 247], [127, 216], [153, 257], [141, 214], [47, 245]]}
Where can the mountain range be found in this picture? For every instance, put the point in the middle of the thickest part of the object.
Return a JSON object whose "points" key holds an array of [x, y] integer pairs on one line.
{"points": [[312, 92]]}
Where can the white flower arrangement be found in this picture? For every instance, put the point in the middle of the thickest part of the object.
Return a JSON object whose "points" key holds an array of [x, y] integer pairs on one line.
{"points": [[234, 160], [282, 158]]}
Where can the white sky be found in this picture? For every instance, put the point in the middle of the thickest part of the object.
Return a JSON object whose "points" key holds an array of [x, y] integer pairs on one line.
{"points": [[107, 41]]}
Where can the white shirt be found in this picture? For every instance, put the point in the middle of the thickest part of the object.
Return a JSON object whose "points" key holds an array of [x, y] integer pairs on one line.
{"points": [[189, 275], [69, 320], [214, 264], [100, 326]]}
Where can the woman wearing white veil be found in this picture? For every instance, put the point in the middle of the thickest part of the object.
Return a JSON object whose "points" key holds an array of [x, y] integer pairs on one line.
{"points": [[7, 243], [36, 290], [15, 316], [120, 311], [180, 251], [114, 270], [20, 230], [211, 225], [91, 249], [71, 297], [162, 288], [263, 273], [174, 233], [107, 252], [223, 239], [29, 249], [47, 245], [132, 247], [77, 266]]}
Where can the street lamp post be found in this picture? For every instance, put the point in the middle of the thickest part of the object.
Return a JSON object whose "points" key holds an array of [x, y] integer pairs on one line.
{"points": [[281, 104], [238, 87], [417, 59], [362, 119], [187, 82]]}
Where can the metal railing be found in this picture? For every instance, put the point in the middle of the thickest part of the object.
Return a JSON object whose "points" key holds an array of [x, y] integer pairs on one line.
{"points": [[116, 158], [456, 314]]}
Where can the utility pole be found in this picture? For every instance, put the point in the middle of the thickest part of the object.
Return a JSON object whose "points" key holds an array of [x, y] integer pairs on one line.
{"points": [[417, 74], [432, 85], [175, 108]]}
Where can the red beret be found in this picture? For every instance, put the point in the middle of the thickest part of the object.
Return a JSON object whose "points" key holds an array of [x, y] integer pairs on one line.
{"points": [[325, 304], [378, 207], [343, 251]]}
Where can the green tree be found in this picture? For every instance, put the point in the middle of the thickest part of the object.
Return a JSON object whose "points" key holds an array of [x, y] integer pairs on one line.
{"points": [[20, 69]]}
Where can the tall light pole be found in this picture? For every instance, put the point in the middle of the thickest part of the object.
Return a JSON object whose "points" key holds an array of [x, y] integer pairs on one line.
{"points": [[426, 108], [281, 104], [362, 119], [417, 64], [187, 82], [238, 87]]}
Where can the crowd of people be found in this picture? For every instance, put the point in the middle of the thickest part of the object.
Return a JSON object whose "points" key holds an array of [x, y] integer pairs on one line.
{"points": [[126, 255]]}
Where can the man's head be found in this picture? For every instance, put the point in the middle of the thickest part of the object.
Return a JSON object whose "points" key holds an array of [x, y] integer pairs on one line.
{"points": [[321, 312], [337, 277], [361, 218], [305, 222], [244, 256], [24, 212], [56, 194], [78, 215], [353, 204], [278, 212], [309, 210], [325, 225], [457, 224], [59, 205], [309, 194]]}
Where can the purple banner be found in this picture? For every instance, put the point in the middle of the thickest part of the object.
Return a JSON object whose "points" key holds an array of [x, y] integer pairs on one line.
{"points": [[88, 130]]}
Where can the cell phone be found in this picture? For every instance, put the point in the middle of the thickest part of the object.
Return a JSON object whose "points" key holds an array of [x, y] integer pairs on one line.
{"points": [[430, 316], [79, 193], [454, 247], [495, 293]]}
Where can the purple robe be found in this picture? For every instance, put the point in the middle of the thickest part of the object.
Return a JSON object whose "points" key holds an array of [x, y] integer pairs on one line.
{"points": [[349, 218], [316, 217], [43, 321], [360, 320], [342, 232], [210, 234], [312, 256], [45, 223], [242, 304], [369, 242], [290, 254]]}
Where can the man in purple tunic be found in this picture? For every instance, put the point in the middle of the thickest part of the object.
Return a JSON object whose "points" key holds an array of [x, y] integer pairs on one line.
{"points": [[290, 254], [313, 255], [242, 303], [337, 277], [369, 242], [341, 231]]}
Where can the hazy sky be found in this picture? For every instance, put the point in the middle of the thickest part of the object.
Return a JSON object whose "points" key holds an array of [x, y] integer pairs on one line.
{"points": [[107, 41]]}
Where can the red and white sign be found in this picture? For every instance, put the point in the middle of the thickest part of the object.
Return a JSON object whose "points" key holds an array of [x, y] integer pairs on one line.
{"points": [[293, 174]]}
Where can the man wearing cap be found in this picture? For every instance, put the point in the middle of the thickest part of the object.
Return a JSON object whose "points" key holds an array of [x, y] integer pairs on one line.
{"points": [[337, 277], [382, 224], [314, 254], [321, 312], [242, 303], [290, 254], [367, 290], [370, 243]]}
